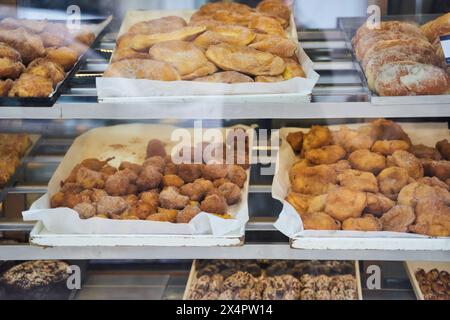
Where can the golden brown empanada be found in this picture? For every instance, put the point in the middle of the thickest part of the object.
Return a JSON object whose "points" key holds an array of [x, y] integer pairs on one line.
{"points": [[142, 69], [226, 77], [234, 35], [162, 25], [279, 46]]}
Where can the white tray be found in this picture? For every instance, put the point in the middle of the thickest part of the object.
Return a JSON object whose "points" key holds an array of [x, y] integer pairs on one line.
{"points": [[413, 266], [296, 90], [41, 237], [193, 277]]}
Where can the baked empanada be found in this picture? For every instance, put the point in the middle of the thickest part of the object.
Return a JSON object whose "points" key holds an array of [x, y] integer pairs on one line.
{"points": [[246, 60], [279, 46], [162, 25], [293, 70], [268, 25], [234, 35], [142, 69], [276, 9], [226, 77]]}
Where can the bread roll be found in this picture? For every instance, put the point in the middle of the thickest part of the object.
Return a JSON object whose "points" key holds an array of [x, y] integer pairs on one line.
{"points": [[408, 78]]}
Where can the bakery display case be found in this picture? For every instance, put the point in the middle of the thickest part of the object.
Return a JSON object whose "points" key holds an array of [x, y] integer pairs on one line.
{"points": [[344, 165]]}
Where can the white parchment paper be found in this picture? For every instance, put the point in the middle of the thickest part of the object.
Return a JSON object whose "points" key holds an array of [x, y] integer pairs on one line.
{"points": [[128, 143], [289, 221], [108, 88]]}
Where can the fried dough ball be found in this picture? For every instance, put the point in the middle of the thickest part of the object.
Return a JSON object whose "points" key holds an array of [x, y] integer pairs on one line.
{"points": [[414, 192], [320, 221], [189, 172], [197, 190], [298, 168], [156, 148], [341, 166], [439, 169], [172, 180], [237, 175], [72, 199], [188, 213], [29, 46], [90, 179], [365, 223], [295, 139], [151, 198], [344, 203], [388, 147], [432, 219], [85, 210], [166, 216], [423, 152], [136, 168], [64, 56], [392, 180], [30, 85], [317, 137], [444, 148], [5, 86], [157, 162], [48, 69], [10, 68], [108, 170], [214, 204], [364, 160], [325, 155], [300, 202], [408, 161], [71, 188], [351, 140], [398, 219], [318, 203], [358, 181], [378, 204], [149, 178], [231, 193], [57, 200], [131, 199], [314, 180], [117, 184], [142, 210], [8, 52], [97, 194], [434, 182], [214, 171], [389, 130], [217, 183], [111, 206], [170, 198]]}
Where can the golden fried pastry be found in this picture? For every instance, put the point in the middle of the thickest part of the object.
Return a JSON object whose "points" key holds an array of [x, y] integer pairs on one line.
{"points": [[364, 160], [398, 219], [197, 190], [156, 148], [161, 25], [439, 169], [267, 25], [434, 182], [343, 203], [170, 198], [46, 68], [234, 35], [52, 39], [64, 56], [142, 42], [5, 86], [149, 178], [432, 219], [269, 79], [245, 60], [388, 147], [320, 221], [90, 179], [406, 78], [125, 54], [293, 70], [352, 140], [408, 161], [295, 139], [358, 181], [188, 213], [437, 27], [84, 36], [214, 171], [275, 8], [314, 180], [185, 57], [172, 180], [378, 204], [125, 41], [151, 198], [325, 155], [211, 8], [29, 85], [318, 203], [444, 149], [226, 77], [414, 192], [164, 215], [392, 180], [317, 137], [300, 202], [389, 130], [10, 68], [8, 52], [142, 69], [231, 193], [423, 152], [34, 26], [237, 175], [28, 45], [214, 203], [341, 166], [365, 223], [276, 45]]}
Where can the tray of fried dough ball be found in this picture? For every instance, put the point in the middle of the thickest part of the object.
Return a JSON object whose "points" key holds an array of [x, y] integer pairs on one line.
{"points": [[358, 186], [273, 280], [38, 58], [430, 280], [145, 184], [222, 49]]}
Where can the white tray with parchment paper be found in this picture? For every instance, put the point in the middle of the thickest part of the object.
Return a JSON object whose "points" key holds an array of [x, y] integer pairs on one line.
{"points": [[120, 90]]}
